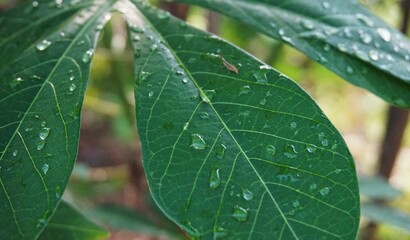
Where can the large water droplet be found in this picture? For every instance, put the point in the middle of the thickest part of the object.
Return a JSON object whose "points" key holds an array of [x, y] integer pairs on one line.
{"points": [[384, 34], [44, 133], [290, 151], [324, 191], [240, 214], [43, 45], [87, 56], [198, 142], [214, 179], [247, 195], [270, 150], [220, 152], [45, 168]]}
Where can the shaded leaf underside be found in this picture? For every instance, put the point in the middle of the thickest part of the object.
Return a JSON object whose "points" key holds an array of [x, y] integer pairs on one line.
{"points": [[244, 155]]}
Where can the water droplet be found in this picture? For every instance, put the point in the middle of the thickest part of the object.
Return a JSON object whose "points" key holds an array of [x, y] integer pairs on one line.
{"points": [[153, 47], [325, 5], [163, 15], [58, 192], [244, 90], [262, 102], [220, 152], [40, 145], [293, 125], [179, 73], [321, 135], [296, 204], [198, 142], [260, 76], [15, 152], [364, 19], [308, 24], [99, 27], [312, 186], [326, 47], [219, 233], [240, 214], [214, 179], [34, 4], [270, 150], [366, 38], [28, 129], [41, 223], [325, 142], [373, 55], [43, 45], [338, 171], [45, 168], [15, 82], [72, 87], [44, 133], [207, 95], [290, 151], [324, 191], [169, 126], [136, 38], [349, 70], [137, 29], [185, 80], [247, 195], [384, 34], [87, 56], [310, 148]]}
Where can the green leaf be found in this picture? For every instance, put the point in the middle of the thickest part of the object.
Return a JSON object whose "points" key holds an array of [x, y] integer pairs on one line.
{"points": [[377, 188], [67, 224], [119, 217], [41, 94], [340, 34], [231, 147], [387, 215]]}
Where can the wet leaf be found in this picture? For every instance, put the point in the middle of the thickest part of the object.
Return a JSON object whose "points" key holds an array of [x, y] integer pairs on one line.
{"points": [[264, 162], [339, 34], [40, 109]]}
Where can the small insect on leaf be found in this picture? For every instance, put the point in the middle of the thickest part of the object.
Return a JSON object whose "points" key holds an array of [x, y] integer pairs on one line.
{"points": [[229, 66]]}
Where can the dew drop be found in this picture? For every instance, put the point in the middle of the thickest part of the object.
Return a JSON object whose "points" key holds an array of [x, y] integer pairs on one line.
{"points": [[153, 47], [325, 142], [244, 90], [41, 223], [293, 125], [72, 87], [136, 38], [207, 95], [40, 145], [45, 168], [310, 148], [214, 179], [326, 48], [384, 34], [296, 204], [366, 38], [28, 129], [44, 133], [240, 214], [34, 4], [15, 82], [163, 15], [262, 102], [270, 150], [87, 56], [247, 195], [150, 94], [290, 151], [260, 76], [324, 191], [312, 186], [198, 142], [338, 171], [364, 19], [43, 45], [15, 152], [185, 80], [220, 233], [308, 24], [169, 126], [373, 55], [220, 152], [325, 5], [349, 70]]}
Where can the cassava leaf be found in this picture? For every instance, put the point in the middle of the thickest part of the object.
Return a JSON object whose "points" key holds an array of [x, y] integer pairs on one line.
{"points": [[41, 94], [232, 148], [68, 224], [340, 34], [387, 215]]}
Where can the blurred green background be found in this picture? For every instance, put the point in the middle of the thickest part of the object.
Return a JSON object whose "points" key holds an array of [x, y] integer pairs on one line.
{"points": [[108, 179]]}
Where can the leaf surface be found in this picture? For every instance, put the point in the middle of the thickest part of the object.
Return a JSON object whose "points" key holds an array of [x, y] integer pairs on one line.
{"points": [[68, 224], [386, 215], [339, 34], [41, 94], [232, 148]]}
